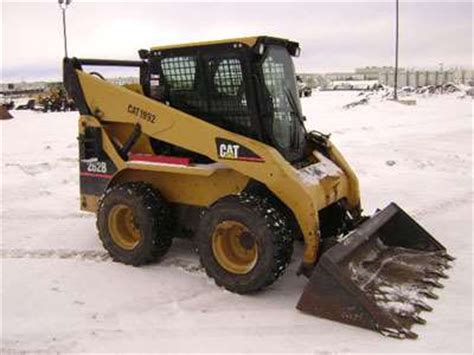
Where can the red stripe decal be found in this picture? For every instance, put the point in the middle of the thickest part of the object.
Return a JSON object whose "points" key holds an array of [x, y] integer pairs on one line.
{"points": [[103, 176], [159, 159], [252, 159]]}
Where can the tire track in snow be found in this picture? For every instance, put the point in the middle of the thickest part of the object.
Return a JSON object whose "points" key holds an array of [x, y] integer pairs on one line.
{"points": [[188, 266], [92, 255], [32, 169]]}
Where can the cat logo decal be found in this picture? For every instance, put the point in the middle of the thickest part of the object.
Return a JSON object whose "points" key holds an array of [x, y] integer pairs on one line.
{"points": [[229, 150]]}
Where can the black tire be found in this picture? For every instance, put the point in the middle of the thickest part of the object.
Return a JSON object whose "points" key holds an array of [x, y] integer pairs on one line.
{"points": [[151, 217], [271, 235]]}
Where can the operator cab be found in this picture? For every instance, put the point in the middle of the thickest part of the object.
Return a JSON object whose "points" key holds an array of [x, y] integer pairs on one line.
{"points": [[244, 85]]}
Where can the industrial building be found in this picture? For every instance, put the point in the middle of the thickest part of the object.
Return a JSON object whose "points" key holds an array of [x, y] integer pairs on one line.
{"points": [[385, 76], [417, 78]]}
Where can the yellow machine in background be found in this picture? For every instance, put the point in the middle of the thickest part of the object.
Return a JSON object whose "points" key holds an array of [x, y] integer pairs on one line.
{"points": [[212, 143], [54, 100]]}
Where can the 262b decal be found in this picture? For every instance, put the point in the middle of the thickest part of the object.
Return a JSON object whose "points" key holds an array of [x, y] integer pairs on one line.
{"points": [[97, 167]]}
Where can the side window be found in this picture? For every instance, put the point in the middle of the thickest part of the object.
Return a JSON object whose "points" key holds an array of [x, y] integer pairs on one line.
{"points": [[274, 77], [228, 77], [209, 87], [182, 84], [179, 72], [228, 100]]}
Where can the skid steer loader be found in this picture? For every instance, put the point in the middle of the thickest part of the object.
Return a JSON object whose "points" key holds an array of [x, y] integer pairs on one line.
{"points": [[212, 142]]}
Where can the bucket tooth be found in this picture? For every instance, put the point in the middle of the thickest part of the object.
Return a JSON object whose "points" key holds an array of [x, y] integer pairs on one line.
{"points": [[394, 333], [429, 294], [417, 319], [413, 318], [386, 266], [431, 282], [409, 334], [441, 264], [448, 257], [447, 266], [422, 305], [436, 273], [398, 333]]}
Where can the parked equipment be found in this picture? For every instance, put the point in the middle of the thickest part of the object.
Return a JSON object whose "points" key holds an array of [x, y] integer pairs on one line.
{"points": [[55, 100], [212, 143], [30, 105]]}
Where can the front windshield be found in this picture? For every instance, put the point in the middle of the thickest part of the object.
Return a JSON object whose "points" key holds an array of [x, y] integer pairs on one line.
{"points": [[280, 81]]}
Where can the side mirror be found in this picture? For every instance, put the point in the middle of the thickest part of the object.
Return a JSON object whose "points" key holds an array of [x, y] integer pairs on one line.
{"points": [[294, 49]]}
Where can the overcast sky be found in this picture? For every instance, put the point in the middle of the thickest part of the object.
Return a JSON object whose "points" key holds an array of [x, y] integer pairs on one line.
{"points": [[334, 36]]}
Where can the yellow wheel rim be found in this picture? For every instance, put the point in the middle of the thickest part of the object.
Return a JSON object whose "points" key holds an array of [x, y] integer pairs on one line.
{"points": [[234, 247], [123, 227]]}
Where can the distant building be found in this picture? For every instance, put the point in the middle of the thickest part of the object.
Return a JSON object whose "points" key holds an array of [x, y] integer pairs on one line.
{"points": [[372, 73], [343, 76], [417, 78], [22, 86], [385, 76]]}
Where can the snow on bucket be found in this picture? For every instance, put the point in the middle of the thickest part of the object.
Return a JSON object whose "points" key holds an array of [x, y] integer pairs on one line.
{"points": [[379, 277]]}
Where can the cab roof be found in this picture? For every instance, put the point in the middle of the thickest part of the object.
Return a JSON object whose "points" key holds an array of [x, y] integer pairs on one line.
{"points": [[249, 41]]}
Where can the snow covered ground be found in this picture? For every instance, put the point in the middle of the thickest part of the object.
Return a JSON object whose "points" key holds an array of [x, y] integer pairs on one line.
{"points": [[61, 293]]}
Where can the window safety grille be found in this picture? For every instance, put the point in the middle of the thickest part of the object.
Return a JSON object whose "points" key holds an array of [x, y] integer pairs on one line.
{"points": [[274, 77], [219, 98], [228, 78], [179, 72], [180, 77], [228, 101]]}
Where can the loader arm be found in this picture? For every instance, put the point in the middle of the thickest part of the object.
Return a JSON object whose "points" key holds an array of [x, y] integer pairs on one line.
{"points": [[111, 103]]}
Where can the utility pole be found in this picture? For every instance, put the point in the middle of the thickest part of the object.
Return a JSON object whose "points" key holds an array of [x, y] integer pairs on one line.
{"points": [[395, 95], [63, 4]]}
